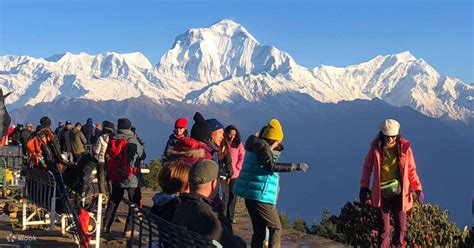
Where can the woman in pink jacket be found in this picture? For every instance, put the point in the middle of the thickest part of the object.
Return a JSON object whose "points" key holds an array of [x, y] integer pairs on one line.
{"points": [[391, 159], [237, 153]]}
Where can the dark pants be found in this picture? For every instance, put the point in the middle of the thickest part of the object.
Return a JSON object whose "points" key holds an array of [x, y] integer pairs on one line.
{"points": [[104, 184], [393, 205], [77, 157], [134, 195], [232, 201], [225, 196], [264, 215]]}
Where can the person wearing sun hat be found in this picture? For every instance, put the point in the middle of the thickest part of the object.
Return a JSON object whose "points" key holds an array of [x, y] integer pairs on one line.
{"points": [[180, 130], [391, 159], [258, 182]]}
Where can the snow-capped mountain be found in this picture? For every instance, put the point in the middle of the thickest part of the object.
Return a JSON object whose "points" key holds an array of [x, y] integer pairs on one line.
{"points": [[225, 64]]}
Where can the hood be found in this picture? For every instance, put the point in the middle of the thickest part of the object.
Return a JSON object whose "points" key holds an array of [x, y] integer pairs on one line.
{"points": [[89, 121], [163, 198]]}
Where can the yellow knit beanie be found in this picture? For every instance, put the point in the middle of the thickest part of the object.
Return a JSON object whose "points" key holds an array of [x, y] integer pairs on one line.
{"points": [[273, 131]]}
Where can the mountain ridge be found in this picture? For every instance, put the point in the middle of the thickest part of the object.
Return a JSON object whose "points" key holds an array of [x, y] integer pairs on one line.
{"points": [[224, 64]]}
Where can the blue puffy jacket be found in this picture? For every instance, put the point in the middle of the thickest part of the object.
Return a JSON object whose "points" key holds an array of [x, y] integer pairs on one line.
{"points": [[259, 178]]}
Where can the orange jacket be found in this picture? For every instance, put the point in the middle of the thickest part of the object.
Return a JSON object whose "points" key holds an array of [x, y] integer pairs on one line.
{"points": [[35, 152], [409, 178]]}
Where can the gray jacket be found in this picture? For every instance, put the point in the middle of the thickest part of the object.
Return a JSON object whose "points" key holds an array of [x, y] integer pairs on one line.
{"points": [[136, 154]]}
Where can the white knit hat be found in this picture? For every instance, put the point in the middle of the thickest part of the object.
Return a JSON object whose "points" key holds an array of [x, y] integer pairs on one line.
{"points": [[390, 127]]}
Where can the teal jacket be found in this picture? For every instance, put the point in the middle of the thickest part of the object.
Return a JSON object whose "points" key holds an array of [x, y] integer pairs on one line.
{"points": [[259, 178]]}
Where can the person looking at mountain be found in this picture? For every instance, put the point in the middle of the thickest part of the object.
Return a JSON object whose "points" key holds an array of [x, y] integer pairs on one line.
{"points": [[258, 182], [125, 175], [391, 159], [196, 210], [178, 132], [59, 129], [65, 139], [99, 150], [88, 131], [25, 136], [78, 142]]}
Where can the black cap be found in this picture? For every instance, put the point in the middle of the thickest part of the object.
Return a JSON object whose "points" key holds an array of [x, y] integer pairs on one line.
{"points": [[124, 123], [45, 121], [200, 130]]}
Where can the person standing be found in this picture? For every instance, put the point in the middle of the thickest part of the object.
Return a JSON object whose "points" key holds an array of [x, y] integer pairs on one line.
{"points": [[190, 150], [258, 182], [133, 182], [391, 159], [59, 129], [178, 132], [25, 135], [97, 133], [100, 149], [88, 131], [78, 142], [65, 139], [237, 154]]}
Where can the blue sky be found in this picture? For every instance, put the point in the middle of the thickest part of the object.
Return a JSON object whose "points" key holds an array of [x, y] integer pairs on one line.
{"points": [[335, 33]]}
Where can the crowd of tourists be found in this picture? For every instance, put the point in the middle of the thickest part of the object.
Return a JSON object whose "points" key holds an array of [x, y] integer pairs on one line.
{"points": [[207, 167]]}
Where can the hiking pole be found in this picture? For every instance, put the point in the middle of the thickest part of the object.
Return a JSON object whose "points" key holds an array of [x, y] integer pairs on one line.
{"points": [[78, 232]]}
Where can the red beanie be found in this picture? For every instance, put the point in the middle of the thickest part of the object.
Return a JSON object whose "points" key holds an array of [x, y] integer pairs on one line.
{"points": [[181, 122]]}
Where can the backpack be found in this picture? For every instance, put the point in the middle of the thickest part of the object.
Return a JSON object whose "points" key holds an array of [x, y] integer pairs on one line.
{"points": [[43, 148], [119, 166]]}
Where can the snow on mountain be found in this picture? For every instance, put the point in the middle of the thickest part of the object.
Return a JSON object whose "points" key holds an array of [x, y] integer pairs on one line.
{"points": [[225, 64]]}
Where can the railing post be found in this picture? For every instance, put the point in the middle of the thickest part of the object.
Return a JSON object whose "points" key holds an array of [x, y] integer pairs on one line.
{"points": [[98, 226]]}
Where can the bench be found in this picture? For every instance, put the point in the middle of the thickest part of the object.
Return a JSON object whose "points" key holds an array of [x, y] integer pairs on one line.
{"points": [[149, 230]]}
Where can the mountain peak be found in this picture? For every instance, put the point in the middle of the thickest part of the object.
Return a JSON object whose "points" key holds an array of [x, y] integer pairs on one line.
{"points": [[225, 27], [405, 56]]}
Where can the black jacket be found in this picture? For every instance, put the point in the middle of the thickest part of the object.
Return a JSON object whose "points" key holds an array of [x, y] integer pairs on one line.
{"points": [[65, 140], [265, 156], [25, 136], [225, 166], [88, 131], [197, 214]]}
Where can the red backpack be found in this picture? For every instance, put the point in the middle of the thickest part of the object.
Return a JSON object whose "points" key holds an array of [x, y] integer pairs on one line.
{"points": [[119, 167]]}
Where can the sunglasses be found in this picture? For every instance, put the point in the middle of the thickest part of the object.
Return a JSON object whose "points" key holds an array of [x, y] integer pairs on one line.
{"points": [[385, 136]]}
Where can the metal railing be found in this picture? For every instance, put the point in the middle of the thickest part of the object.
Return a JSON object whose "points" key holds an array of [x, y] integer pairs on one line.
{"points": [[41, 191], [149, 230]]}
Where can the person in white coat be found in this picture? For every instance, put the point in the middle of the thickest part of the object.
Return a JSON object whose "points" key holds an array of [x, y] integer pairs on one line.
{"points": [[100, 149]]}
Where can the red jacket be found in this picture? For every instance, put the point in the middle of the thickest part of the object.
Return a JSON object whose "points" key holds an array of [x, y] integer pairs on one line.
{"points": [[409, 178], [189, 151]]}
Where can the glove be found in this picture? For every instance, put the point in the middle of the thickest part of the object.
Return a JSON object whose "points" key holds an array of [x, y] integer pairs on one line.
{"points": [[364, 194], [302, 167], [421, 196]]}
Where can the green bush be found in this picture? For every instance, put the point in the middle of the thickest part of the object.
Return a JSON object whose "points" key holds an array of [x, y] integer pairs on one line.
{"points": [[285, 223], [300, 225], [427, 226], [327, 228], [151, 179]]}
